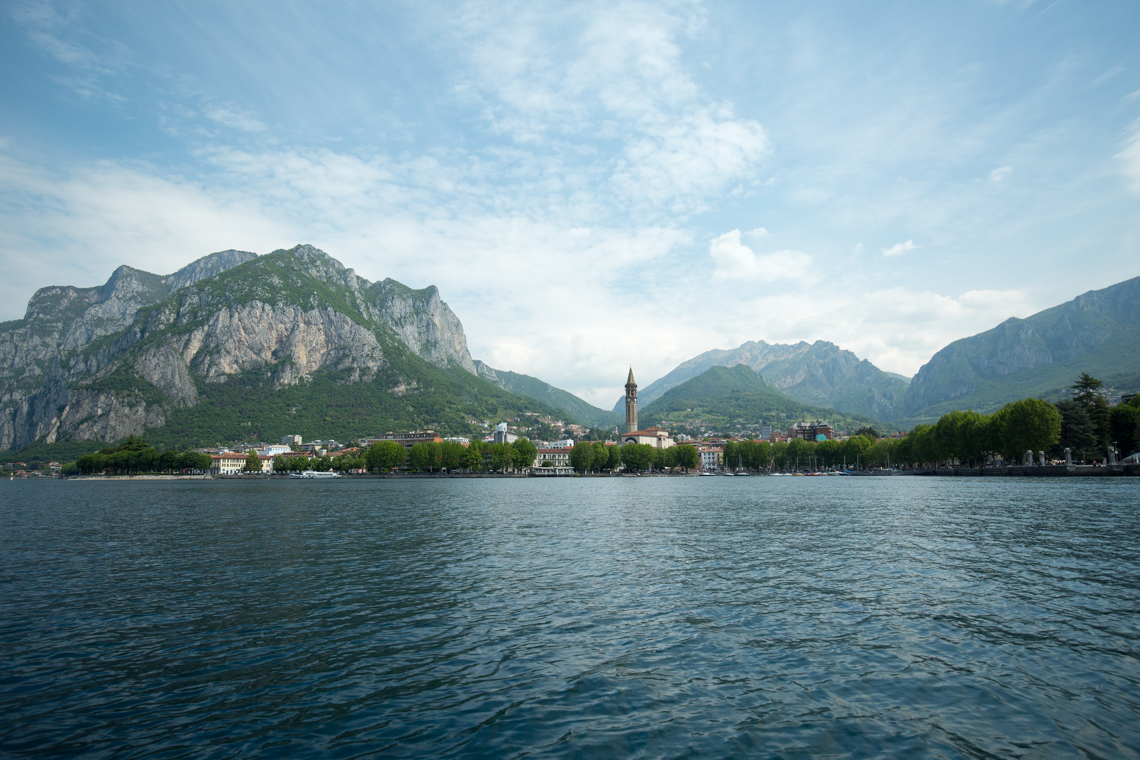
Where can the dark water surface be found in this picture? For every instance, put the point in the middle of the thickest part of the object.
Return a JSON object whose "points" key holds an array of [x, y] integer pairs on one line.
{"points": [[759, 617]]}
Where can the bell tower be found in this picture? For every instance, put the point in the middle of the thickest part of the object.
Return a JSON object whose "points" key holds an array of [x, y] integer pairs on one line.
{"points": [[630, 403]]}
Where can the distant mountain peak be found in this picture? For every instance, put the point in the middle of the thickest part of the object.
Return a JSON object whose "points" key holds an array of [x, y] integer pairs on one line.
{"points": [[819, 373]]}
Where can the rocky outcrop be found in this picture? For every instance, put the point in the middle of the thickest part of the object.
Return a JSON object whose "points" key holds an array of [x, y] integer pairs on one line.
{"points": [[105, 416], [206, 267], [97, 363], [423, 322]]}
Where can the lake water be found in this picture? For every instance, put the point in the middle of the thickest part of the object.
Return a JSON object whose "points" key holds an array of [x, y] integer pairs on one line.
{"points": [[627, 617]]}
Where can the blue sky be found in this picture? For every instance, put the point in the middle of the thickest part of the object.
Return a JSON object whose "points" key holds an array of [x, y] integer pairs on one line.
{"points": [[593, 185]]}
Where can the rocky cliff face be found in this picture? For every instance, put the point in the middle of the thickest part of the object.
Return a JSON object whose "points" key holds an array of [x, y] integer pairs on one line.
{"points": [[817, 373], [101, 363], [1076, 333]]}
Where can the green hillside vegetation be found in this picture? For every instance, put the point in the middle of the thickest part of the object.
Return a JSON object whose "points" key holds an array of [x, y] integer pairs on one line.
{"points": [[249, 408], [581, 412], [721, 396]]}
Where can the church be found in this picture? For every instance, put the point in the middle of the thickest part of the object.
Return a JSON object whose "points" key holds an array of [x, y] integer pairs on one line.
{"points": [[654, 436]]}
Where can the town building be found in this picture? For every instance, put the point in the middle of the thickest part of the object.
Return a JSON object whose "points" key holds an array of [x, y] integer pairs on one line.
{"points": [[407, 440], [712, 457], [502, 435], [233, 463], [654, 436], [273, 450], [559, 457], [290, 440], [812, 431]]}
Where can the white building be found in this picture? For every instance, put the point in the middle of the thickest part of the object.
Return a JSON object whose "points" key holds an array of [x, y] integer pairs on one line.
{"points": [[564, 444], [273, 450], [290, 440], [654, 436], [711, 457], [559, 457], [502, 435]]}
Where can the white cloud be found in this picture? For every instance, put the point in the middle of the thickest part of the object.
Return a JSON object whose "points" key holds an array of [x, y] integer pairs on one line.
{"points": [[899, 248], [610, 76], [690, 158], [1129, 158], [1000, 173], [736, 261]]}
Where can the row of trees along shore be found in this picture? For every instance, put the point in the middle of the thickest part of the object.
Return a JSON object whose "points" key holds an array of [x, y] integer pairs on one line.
{"points": [[1084, 423], [134, 456], [385, 456], [637, 457]]}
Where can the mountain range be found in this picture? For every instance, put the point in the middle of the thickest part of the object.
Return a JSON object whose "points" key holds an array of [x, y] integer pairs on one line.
{"points": [[241, 347], [237, 346], [819, 374]]}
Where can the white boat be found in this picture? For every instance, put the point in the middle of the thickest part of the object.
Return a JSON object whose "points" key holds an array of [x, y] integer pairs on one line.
{"points": [[313, 474]]}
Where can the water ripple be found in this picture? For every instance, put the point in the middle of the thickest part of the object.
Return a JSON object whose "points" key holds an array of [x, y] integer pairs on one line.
{"points": [[770, 617]]}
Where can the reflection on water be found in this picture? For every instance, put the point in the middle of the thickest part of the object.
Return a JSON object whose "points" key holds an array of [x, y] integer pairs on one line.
{"points": [[785, 617]]}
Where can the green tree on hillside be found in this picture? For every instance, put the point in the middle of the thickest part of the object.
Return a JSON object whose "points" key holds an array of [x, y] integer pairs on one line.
{"points": [[1077, 431], [582, 457], [1028, 424], [523, 453], [1123, 422], [613, 457], [687, 456], [637, 457], [473, 456], [384, 456], [500, 456], [1086, 391]]}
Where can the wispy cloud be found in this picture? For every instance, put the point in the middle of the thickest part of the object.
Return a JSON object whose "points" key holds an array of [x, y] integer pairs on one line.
{"points": [[63, 37], [899, 248], [1108, 75], [1000, 173], [235, 118], [1129, 158]]}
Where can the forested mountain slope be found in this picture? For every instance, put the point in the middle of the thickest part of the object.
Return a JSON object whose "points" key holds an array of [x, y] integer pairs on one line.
{"points": [[1098, 333], [580, 411], [723, 398]]}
